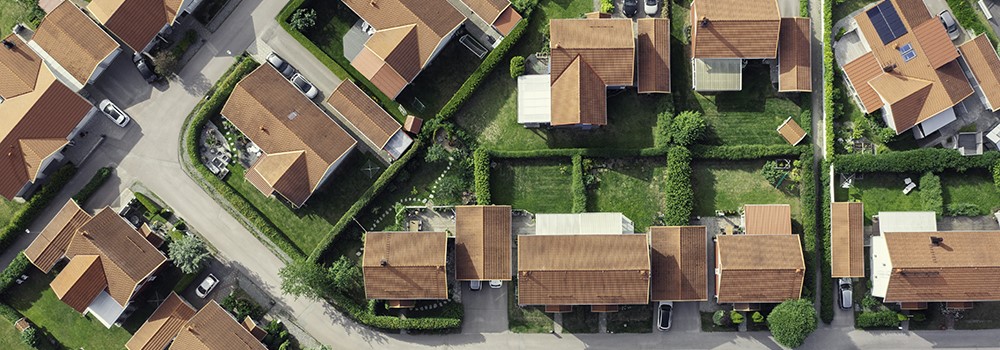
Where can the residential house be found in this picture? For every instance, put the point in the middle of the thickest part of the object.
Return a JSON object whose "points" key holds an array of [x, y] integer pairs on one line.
{"points": [[176, 324], [75, 48], [767, 219], [403, 267], [847, 240], [679, 263], [138, 22], [301, 146], [984, 64], [162, 326], [379, 130], [40, 117], [758, 269], [727, 33], [583, 224], [909, 69], [109, 261], [499, 14], [483, 243]]}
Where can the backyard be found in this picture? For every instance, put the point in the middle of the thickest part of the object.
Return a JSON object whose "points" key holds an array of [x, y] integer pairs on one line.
{"points": [[19, 11], [438, 82], [8, 209], [973, 187], [633, 187], [727, 186], [529, 319], [536, 185], [884, 192]]}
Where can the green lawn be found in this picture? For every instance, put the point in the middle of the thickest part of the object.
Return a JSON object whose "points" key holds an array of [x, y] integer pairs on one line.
{"points": [[10, 339], [974, 187], [36, 301], [727, 186], [884, 192], [19, 11], [538, 186], [529, 319], [633, 187], [845, 7], [8, 209], [631, 319], [438, 82], [580, 320]]}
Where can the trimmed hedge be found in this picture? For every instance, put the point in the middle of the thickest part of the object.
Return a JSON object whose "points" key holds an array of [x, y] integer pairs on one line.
{"points": [[95, 182], [807, 196], [746, 152], [41, 199], [914, 161], [150, 205], [996, 174], [586, 152], [877, 319], [17, 267], [481, 175], [366, 315], [791, 322], [827, 300], [679, 194], [828, 80], [661, 134], [579, 190]]}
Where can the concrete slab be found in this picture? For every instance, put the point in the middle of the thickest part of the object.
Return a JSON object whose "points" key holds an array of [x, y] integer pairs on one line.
{"points": [[485, 310]]}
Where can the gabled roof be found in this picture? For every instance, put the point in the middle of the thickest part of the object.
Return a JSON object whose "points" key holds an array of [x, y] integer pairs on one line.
{"points": [[768, 219], [498, 13], [162, 326], [859, 72], [794, 55], [791, 131], [985, 66], [367, 116], [582, 269], [213, 328], [50, 244], [847, 239], [19, 67], [936, 43], [606, 45], [482, 242], [136, 22], [80, 281], [735, 28], [74, 41], [579, 96], [300, 140], [405, 265], [964, 267], [758, 268], [679, 258], [653, 71]]}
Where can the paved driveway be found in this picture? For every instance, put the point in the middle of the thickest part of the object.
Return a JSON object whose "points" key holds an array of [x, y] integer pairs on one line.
{"points": [[485, 310]]}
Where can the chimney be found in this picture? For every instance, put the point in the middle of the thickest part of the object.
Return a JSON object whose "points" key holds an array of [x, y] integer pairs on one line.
{"points": [[383, 262], [8, 44], [704, 22], [372, 3], [936, 241], [889, 68], [263, 129]]}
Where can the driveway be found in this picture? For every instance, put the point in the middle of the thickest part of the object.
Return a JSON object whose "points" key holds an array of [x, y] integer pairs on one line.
{"points": [[485, 310]]}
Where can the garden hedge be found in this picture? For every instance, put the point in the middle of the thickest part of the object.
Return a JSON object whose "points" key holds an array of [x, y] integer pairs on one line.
{"points": [[679, 194], [17, 267], [579, 190], [41, 199], [746, 152], [827, 300], [807, 196], [366, 315], [481, 175], [914, 161], [877, 319], [828, 79], [586, 152], [88, 190], [150, 205]]}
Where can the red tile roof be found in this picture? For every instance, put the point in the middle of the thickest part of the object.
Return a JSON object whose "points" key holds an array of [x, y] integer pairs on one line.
{"points": [[679, 263], [735, 28], [483, 243], [985, 66], [794, 55], [653, 68], [758, 268], [405, 265], [136, 22], [964, 267], [847, 239], [768, 219]]}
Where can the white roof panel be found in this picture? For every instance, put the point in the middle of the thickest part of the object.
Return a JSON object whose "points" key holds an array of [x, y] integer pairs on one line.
{"points": [[582, 223], [534, 99]]}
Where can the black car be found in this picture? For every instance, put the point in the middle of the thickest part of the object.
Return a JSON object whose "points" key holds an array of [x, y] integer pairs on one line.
{"points": [[145, 67], [630, 7]]}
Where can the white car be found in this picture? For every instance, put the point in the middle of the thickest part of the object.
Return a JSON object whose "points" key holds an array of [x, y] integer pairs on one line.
{"points": [[846, 296], [206, 286], [304, 85], [115, 113], [496, 284], [475, 285], [279, 64], [663, 315], [651, 7]]}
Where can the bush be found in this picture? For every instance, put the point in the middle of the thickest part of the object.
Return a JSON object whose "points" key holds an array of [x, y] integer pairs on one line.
{"points": [[757, 317], [516, 66], [771, 172], [586, 152], [9, 313], [241, 307], [914, 161], [996, 174], [524, 7], [151, 206], [15, 269], [579, 187], [721, 318], [436, 153], [661, 135], [29, 336], [481, 175], [164, 62], [188, 253], [964, 209], [607, 6], [736, 316], [303, 19], [870, 303], [41, 199], [877, 319], [792, 321], [687, 128], [930, 193], [678, 193], [747, 152], [92, 186]]}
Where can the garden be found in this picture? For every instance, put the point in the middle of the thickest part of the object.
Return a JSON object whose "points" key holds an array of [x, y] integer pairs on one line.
{"points": [[726, 186], [8, 209], [19, 11], [632, 186], [949, 194], [535, 185]]}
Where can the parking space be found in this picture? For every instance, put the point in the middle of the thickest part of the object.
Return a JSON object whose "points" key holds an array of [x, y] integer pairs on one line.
{"points": [[640, 11], [485, 310], [685, 318]]}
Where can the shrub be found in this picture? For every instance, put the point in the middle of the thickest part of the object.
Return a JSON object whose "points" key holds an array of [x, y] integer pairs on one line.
{"points": [[721, 318], [687, 128], [9, 313], [516, 66], [930, 193], [996, 174], [38, 202], [877, 319], [436, 153], [95, 182], [771, 172], [449, 188], [964, 209], [304, 278], [151, 206], [736, 316], [607, 6], [481, 175], [303, 19], [164, 62], [29, 336], [919, 317], [188, 253], [15, 269], [870, 303], [661, 135], [792, 321], [678, 193], [757, 317], [579, 187], [746, 152], [524, 7], [241, 307]]}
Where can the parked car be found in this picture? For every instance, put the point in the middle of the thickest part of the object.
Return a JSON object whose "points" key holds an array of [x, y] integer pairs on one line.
{"points": [[145, 66], [630, 7], [663, 313], [475, 285], [206, 286], [115, 113], [949, 24], [846, 296], [304, 85], [651, 7], [278, 63], [496, 284]]}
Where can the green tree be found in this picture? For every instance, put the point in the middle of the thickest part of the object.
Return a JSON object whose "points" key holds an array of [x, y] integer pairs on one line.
{"points": [[188, 253], [346, 276], [164, 63], [687, 128], [661, 136], [436, 153], [303, 278], [792, 321], [450, 188], [516, 66], [303, 19]]}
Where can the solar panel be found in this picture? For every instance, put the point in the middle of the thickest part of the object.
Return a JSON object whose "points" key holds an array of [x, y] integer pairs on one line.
{"points": [[886, 21], [892, 18]]}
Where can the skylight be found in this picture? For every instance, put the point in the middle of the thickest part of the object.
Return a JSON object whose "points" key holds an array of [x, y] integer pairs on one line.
{"points": [[907, 52]]}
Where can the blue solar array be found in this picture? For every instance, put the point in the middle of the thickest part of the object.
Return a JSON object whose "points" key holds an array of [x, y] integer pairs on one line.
{"points": [[886, 21]]}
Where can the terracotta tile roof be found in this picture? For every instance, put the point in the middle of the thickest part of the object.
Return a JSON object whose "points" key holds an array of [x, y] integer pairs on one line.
{"points": [[859, 72], [397, 47], [735, 28], [768, 219], [507, 20], [985, 66], [367, 116], [607, 45], [127, 257], [579, 96], [582, 269], [50, 244], [596, 15], [482, 243], [151, 236], [301, 141], [252, 327], [791, 131], [948, 84], [488, 10], [415, 265], [213, 328], [19, 69], [80, 282], [413, 124], [136, 22], [653, 74], [758, 268], [847, 239], [794, 60], [162, 326], [74, 40], [965, 267], [679, 263]]}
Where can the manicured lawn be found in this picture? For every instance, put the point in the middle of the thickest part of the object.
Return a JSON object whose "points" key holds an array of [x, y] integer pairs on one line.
{"points": [[633, 187], [581, 320], [727, 186], [438, 82], [973, 187], [10, 339], [8, 209], [19, 11], [530, 319], [843, 8], [538, 186], [982, 316], [631, 319], [884, 192], [35, 300]]}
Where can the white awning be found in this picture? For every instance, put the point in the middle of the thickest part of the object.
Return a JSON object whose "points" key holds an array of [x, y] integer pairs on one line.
{"points": [[105, 309], [906, 221], [398, 144], [582, 223], [717, 74], [534, 99]]}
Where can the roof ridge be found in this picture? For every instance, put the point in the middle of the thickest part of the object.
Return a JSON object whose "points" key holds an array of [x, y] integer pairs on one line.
{"points": [[263, 106]]}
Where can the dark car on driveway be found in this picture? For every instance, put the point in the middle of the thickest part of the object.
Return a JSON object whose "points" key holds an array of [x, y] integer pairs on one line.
{"points": [[630, 7], [145, 66]]}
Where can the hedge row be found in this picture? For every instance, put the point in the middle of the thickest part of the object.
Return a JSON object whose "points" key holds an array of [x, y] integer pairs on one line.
{"points": [[877, 319], [150, 205], [95, 182], [17, 267], [678, 192], [826, 311], [746, 152], [828, 78], [807, 196], [366, 315], [363, 201], [585, 152], [481, 175], [579, 190], [41, 199], [914, 161]]}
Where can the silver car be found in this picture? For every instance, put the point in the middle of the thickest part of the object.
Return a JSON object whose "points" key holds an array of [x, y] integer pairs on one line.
{"points": [[304, 85], [206, 286], [116, 114], [279, 64], [846, 296], [651, 6], [949, 23]]}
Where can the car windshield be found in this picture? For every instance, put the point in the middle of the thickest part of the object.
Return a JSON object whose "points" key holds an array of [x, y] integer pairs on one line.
{"points": [[301, 84], [631, 2], [112, 112], [650, 2]]}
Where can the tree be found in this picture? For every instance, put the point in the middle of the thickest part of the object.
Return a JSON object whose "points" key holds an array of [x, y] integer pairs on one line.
{"points": [[687, 128], [516, 66], [346, 276], [188, 253], [436, 153], [303, 19], [303, 278], [771, 173], [792, 321], [450, 187], [164, 63]]}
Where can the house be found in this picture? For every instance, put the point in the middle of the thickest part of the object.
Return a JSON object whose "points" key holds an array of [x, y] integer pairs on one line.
{"points": [[583, 224], [758, 269], [409, 34], [847, 240], [403, 267], [909, 69], [40, 117], [499, 14], [175, 323], [679, 263], [727, 33], [603, 271], [109, 261], [301, 146], [373, 123], [138, 22], [984, 64], [75, 48], [483, 243], [162, 326], [767, 219], [653, 55]]}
